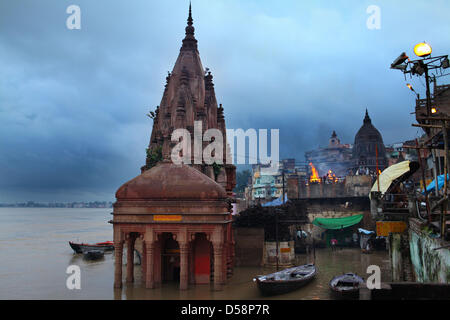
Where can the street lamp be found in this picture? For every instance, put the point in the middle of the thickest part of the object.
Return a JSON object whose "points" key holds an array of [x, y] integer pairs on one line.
{"points": [[412, 89], [398, 63], [422, 66], [422, 49]]}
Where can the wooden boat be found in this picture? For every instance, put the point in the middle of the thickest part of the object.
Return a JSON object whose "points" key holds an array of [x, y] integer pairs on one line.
{"points": [[346, 286], [78, 247], [93, 254], [286, 280]]}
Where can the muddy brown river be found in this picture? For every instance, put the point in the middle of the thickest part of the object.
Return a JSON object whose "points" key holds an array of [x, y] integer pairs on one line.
{"points": [[36, 254]]}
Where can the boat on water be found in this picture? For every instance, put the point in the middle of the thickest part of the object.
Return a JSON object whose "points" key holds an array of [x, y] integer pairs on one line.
{"points": [[93, 254], [78, 247], [346, 286], [286, 280]]}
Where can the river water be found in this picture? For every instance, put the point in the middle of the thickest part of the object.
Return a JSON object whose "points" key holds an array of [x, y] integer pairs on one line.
{"points": [[35, 255]]}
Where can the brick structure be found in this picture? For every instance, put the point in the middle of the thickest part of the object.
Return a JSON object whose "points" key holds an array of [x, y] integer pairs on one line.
{"points": [[189, 97], [180, 215]]}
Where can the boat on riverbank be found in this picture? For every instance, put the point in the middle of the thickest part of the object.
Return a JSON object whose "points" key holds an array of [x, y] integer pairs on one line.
{"points": [[93, 254], [346, 286], [105, 246], [286, 280]]}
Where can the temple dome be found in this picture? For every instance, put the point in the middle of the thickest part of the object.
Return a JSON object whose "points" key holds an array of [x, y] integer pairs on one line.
{"points": [[369, 142], [168, 181], [368, 132]]}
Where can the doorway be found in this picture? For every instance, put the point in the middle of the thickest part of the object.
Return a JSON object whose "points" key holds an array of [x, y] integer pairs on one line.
{"points": [[170, 256]]}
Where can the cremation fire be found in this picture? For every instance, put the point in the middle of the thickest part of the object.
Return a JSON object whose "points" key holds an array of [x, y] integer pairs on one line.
{"points": [[331, 177], [314, 174]]}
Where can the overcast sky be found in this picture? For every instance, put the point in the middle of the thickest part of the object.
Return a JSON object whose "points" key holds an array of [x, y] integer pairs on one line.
{"points": [[73, 102]]}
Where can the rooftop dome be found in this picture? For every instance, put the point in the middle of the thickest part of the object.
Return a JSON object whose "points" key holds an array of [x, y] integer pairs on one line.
{"points": [[368, 132], [168, 181]]}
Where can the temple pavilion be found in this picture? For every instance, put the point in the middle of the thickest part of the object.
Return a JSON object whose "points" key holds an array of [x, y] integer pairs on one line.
{"points": [[179, 214]]}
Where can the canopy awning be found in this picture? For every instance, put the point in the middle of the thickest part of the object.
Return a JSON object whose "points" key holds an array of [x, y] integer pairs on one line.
{"points": [[404, 168], [337, 223]]}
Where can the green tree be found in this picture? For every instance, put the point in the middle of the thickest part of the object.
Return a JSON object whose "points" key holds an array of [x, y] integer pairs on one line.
{"points": [[154, 156], [242, 179]]}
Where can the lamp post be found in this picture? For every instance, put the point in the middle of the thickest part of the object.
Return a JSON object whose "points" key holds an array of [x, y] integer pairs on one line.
{"points": [[421, 67]]}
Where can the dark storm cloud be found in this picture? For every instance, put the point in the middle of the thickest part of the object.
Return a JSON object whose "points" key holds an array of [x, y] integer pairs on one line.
{"points": [[73, 102]]}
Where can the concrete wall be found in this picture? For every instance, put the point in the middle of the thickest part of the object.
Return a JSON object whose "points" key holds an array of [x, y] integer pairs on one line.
{"points": [[401, 267], [429, 265], [249, 246], [353, 186], [286, 253]]}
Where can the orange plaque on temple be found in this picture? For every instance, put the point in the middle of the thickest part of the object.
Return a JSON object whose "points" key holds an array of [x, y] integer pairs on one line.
{"points": [[167, 217]]}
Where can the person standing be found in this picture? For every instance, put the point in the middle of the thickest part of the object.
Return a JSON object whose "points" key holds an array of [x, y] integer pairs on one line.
{"points": [[333, 244], [355, 239]]}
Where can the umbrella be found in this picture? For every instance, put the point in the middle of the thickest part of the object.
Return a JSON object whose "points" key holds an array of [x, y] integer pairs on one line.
{"points": [[402, 169]]}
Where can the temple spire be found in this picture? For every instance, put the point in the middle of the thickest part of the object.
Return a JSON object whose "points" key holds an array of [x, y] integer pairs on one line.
{"points": [[190, 20], [367, 118], [189, 41]]}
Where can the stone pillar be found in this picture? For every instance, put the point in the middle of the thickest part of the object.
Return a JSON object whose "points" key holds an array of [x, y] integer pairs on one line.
{"points": [[218, 265], [157, 264], [149, 251], [130, 258], [118, 251], [191, 262], [184, 265]]}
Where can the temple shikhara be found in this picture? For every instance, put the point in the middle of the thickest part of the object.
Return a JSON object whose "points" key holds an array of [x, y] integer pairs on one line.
{"points": [[179, 215]]}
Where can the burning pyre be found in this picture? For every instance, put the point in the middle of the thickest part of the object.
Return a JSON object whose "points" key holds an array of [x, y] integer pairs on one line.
{"points": [[314, 178], [330, 177]]}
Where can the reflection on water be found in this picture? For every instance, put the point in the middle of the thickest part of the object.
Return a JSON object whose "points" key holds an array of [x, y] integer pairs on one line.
{"points": [[36, 254]]}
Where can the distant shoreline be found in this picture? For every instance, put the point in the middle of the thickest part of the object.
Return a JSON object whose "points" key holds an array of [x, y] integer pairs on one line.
{"points": [[76, 205]]}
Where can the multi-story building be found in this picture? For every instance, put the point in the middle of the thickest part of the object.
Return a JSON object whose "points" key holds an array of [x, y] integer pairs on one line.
{"points": [[335, 157], [267, 186]]}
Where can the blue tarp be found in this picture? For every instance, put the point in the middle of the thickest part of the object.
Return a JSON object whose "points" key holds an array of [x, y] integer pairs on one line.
{"points": [[364, 231], [276, 202], [432, 184]]}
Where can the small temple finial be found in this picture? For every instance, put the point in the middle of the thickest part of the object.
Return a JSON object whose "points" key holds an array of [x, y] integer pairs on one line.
{"points": [[367, 118], [190, 41], [190, 15]]}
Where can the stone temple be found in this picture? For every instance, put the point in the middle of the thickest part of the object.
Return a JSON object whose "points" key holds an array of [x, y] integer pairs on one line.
{"points": [[369, 150], [179, 215]]}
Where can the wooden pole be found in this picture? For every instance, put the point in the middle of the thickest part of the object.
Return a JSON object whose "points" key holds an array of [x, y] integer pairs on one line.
{"points": [[276, 235], [445, 204], [436, 189], [424, 182], [376, 161]]}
